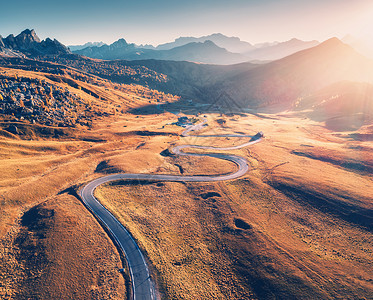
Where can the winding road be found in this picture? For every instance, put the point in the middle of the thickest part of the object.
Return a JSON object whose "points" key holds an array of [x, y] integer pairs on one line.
{"points": [[142, 284]]}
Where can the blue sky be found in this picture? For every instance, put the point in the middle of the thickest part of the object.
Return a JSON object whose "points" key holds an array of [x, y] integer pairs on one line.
{"points": [[154, 22]]}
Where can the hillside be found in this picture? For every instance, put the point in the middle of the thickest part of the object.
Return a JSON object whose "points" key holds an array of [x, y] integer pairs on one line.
{"points": [[275, 86], [285, 81], [51, 134], [37, 92], [343, 106], [297, 225], [186, 79]]}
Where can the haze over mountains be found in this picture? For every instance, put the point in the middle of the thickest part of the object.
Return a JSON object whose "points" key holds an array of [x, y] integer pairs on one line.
{"points": [[86, 45], [294, 82], [232, 44], [362, 46], [300, 74], [216, 49], [203, 52]]}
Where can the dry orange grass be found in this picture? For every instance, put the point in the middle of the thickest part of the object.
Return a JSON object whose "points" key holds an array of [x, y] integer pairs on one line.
{"points": [[293, 246], [35, 167], [276, 232], [59, 252]]}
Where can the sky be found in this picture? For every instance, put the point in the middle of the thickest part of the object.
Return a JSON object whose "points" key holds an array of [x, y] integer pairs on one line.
{"points": [[75, 22]]}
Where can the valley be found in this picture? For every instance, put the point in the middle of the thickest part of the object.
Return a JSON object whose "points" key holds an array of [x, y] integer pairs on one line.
{"points": [[295, 222]]}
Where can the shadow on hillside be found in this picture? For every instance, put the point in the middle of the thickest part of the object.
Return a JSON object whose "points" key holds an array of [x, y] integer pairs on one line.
{"points": [[341, 121], [221, 103], [188, 108], [346, 123], [342, 209]]}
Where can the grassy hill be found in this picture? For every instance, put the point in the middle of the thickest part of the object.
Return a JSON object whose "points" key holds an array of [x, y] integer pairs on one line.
{"points": [[297, 226]]}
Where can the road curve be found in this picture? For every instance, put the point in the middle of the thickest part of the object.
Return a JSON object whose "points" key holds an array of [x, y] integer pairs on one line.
{"points": [[142, 284]]}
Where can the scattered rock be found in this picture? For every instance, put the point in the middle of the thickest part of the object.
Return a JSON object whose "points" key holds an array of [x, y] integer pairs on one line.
{"points": [[13, 129], [166, 153], [239, 223], [221, 121]]}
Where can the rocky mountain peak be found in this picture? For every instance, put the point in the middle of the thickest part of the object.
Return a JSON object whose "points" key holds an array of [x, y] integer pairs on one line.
{"points": [[332, 42], [26, 39], [30, 35], [29, 43], [119, 43]]}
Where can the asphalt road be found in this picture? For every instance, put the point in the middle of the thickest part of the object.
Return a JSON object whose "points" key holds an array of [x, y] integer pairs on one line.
{"points": [[142, 284]]}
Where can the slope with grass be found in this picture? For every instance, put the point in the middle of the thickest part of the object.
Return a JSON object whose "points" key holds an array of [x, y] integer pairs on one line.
{"points": [[280, 231], [142, 285], [47, 251]]}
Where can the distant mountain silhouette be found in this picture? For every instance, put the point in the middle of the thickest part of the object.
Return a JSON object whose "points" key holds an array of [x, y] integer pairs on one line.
{"points": [[283, 82], [28, 43], [265, 44], [279, 50], [206, 52], [232, 44], [264, 51], [228, 50], [117, 50], [86, 45]]}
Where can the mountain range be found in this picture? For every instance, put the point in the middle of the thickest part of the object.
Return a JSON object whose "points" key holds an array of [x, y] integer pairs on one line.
{"points": [[86, 45], [231, 44], [28, 43], [279, 50], [329, 82], [295, 82], [215, 49], [212, 49], [202, 52]]}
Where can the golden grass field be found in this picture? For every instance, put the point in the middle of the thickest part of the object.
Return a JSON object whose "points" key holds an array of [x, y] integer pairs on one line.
{"points": [[297, 226], [292, 247]]}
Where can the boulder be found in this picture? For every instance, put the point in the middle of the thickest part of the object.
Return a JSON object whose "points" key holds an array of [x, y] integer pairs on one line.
{"points": [[13, 129]]}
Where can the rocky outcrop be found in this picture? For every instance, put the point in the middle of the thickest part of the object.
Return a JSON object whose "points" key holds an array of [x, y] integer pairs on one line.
{"points": [[41, 102], [30, 44], [10, 42], [27, 39], [2, 45], [49, 46]]}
